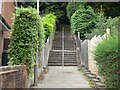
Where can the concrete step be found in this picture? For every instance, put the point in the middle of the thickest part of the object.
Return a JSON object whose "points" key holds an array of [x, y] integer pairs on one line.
{"points": [[61, 61], [59, 57], [60, 64]]}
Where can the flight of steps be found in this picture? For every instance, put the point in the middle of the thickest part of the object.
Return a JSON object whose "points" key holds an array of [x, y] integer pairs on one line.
{"points": [[55, 57]]}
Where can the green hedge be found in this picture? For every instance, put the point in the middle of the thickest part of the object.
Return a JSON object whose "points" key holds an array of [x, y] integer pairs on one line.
{"points": [[83, 21], [27, 31], [107, 58], [49, 22]]}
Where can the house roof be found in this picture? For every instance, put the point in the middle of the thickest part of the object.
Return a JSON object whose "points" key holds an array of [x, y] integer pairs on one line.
{"points": [[4, 25]]}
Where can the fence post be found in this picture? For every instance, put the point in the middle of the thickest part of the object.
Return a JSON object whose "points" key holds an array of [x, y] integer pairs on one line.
{"points": [[107, 32], [36, 69], [79, 46]]}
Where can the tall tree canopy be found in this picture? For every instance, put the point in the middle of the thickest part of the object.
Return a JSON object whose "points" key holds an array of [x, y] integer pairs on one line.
{"points": [[59, 8]]}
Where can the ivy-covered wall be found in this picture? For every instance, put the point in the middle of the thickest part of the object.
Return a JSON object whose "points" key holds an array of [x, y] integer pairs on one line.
{"points": [[27, 33]]}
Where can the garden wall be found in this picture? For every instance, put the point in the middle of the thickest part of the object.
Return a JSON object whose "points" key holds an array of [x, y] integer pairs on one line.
{"points": [[13, 76]]}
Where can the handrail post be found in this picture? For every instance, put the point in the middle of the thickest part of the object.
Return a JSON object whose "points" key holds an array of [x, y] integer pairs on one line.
{"points": [[36, 69], [63, 46]]}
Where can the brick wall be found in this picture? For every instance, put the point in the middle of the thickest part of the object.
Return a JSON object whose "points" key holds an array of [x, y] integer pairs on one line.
{"points": [[13, 77], [8, 9]]}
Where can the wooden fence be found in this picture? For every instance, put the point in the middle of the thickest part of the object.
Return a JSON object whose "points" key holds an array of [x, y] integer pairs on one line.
{"points": [[87, 49]]}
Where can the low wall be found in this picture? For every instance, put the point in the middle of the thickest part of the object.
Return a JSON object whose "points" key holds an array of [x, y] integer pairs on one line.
{"points": [[13, 76]]}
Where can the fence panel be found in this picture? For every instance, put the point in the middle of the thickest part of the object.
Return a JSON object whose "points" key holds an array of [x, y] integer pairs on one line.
{"points": [[84, 53], [87, 52]]}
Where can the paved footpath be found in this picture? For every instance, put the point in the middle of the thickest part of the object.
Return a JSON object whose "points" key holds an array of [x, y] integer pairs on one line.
{"points": [[64, 77]]}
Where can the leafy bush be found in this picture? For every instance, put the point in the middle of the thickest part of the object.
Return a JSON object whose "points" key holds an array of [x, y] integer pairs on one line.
{"points": [[58, 9], [83, 20], [112, 23], [71, 8], [107, 58], [27, 33], [100, 27], [49, 22], [102, 24]]}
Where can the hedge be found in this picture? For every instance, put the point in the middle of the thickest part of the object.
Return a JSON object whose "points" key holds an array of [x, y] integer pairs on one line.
{"points": [[49, 22], [83, 21], [27, 33], [107, 58]]}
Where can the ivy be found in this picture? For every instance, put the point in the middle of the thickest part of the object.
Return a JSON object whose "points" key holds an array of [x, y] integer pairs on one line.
{"points": [[27, 33]]}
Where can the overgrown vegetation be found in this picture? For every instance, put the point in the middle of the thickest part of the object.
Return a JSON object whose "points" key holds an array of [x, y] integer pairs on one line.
{"points": [[71, 8], [100, 27], [57, 8], [27, 33], [49, 22], [107, 58], [102, 24], [83, 21]]}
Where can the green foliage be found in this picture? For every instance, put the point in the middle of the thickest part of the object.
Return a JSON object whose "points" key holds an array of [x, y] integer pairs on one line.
{"points": [[31, 3], [100, 27], [49, 22], [102, 24], [107, 58], [71, 8], [110, 9], [83, 20], [112, 23], [57, 8], [27, 33]]}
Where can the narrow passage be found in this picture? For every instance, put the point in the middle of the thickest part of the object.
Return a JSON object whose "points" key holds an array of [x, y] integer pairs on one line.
{"points": [[63, 69], [64, 77]]}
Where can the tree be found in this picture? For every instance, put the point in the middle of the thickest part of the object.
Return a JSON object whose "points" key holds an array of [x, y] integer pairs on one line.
{"points": [[109, 8], [71, 8], [83, 20], [100, 27]]}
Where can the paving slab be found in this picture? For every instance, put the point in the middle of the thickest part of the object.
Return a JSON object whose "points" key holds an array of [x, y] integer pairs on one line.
{"points": [[64, 77]]}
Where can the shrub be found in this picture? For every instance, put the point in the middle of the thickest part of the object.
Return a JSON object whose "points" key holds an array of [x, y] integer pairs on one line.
{"points": [[27, 33], [83, 20], [112, 23], [100, 27], [107, 58], [71, 8], [102, 24], [49, 22]]}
